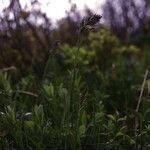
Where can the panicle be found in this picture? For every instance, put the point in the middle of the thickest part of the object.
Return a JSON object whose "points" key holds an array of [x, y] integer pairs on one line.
{"points": [[89, 22]]}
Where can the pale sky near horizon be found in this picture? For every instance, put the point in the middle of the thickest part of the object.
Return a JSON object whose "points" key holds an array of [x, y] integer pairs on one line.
{"points": [[55, 9]]}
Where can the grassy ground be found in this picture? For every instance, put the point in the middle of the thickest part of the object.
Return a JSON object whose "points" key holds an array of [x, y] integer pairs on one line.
{"points": [[77, 108]]}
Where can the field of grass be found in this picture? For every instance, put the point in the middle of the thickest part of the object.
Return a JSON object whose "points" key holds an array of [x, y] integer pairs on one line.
{"points": [[82, 106]]}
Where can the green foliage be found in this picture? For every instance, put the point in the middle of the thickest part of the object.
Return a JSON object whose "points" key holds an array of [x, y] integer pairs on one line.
{"points": [[84, 56], [54, 120], [83, 97], [103, 44]]}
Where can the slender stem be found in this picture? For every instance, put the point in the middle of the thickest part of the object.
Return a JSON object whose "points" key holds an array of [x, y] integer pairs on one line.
{"points": [[75, 65], [140, 100], [142, 90], [26, 93]]}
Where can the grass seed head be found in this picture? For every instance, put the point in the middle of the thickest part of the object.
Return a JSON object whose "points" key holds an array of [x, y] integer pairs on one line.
{"points": [[89, 22], [93, 20]]}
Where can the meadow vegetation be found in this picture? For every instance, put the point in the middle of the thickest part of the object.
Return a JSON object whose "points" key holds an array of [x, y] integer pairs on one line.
{"points": [[89, 90]]}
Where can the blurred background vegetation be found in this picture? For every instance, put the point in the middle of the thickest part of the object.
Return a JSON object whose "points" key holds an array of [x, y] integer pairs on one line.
{"points": [[125, 29], [112, 59]]}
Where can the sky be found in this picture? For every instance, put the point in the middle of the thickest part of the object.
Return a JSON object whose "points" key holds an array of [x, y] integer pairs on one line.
{"points": [[56, 9]]}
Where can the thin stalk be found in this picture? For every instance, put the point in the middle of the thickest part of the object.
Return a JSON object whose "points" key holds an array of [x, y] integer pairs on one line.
{"points": [[140, 101], [142, 90], [26, 93], [75, 65], [46, 67], [74, 74]]}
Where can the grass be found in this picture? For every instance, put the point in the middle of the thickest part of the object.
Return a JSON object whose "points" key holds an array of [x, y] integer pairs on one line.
{"points": [[64, 111]]}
